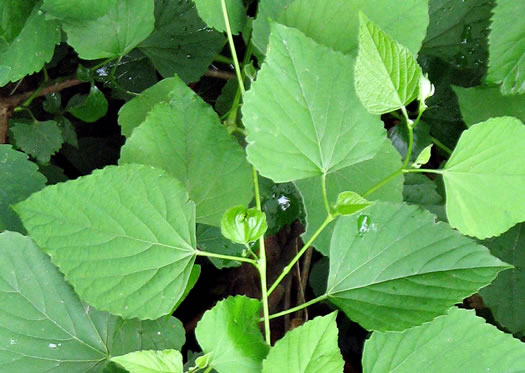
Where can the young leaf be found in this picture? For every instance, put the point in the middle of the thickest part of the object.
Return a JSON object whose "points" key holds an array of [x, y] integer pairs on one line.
{"points": [[242, 225], [302, 115], [116, 33], [210, 11], [39, 139], [335, 23], [484, 175], [186, 47], [186, 139], [448, 344], [386, 73], [403, 269], [30, 41], [348, 203], [482, 103], [121, 236], [506, 47], [359, 177], [311, 347], [165, 361], [504, 296], [88, 108], [20, 178], [79, 9], [423, 157], [230, 332]]}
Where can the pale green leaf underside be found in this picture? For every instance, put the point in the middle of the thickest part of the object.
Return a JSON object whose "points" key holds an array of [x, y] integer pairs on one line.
{"points": [[358, 178], [309, 348], [405, 270], [31, 48], [165, 361], [124, 237], [504, 296], [210, 11], [456, 342], [386, 73], [116, 33], [302, 115], [20, 178], [507, 47], [78, 9], [230, 333], [186, 139], [485, 176], [482, 103], [335, 23]]}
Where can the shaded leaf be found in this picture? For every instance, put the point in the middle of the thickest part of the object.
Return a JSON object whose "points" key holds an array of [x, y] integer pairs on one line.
{"points": [[420, 138], [88, 108], [38, 139], [210, 239], [404, 269], [210, 11], [422, 191], [165, 361], [124, 237]]}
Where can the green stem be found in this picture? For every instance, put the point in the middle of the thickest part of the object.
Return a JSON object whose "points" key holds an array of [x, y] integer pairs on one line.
{"points": [[98, 65], [223, 59], [410, 127], [422, 170], [299, 307], [382, 183], [325, 194], [442, 146], [232, 47], [226, 257], [290, 265], [208, 369]]}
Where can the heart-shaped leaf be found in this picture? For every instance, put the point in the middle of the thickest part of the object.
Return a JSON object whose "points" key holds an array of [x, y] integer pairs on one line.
{"points": [[242, 225]]}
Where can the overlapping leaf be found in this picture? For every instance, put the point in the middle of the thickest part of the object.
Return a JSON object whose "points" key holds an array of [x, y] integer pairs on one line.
{"points": [[484, 176], [79, 9], [302, 115], [455, 342], [230, 332], [404, 269], [507, 47], [187, 139], [38, 139], [88, 108], [123, 236], [165, 361], [211, 12], [311, 347], [267, 10]]}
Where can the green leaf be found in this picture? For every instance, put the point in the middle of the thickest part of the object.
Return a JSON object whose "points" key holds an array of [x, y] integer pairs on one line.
{"points": [[482, 103], [281, 203], [505, 295], [422, 191], [14, 16], [403, 269], [242, 225], [421, 138], [210, 12], [135, 111], [311, 347], [210, 239], [186, 47], [68, 130], [20, 178], [423, 157], [507, 47], [47, 328], [78, 9], [38, 139], [88, 108], [116, 33], [134, 73], [386, 73], [267, 10], [450, 343], [29, 46], [348, 203], [165, 361], [360, 178], [52, 103], [302, 115], [335, 23], [484, 175], [230, 332], [123, 236], [186, 139]]}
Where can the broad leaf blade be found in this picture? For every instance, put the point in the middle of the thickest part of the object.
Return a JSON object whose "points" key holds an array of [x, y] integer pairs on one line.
{"points": [[38, 139], [448, 344], [507, 47], [186, 139], [267, 10], [88, 108], [311, 347], [79, 9], [404, 269], [230, 332], [211, 12], [123, 236], [116, 33], [504, 296], [484, 175], [20, 178], [386, 73], [165, 361], [359, 178], [302, 115]]}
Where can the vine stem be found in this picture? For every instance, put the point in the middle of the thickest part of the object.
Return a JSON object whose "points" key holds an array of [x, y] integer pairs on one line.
{"points": [[422, 170], [325, 194], [299, 307], [261, 263], [226, 257], [290, 265]]}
